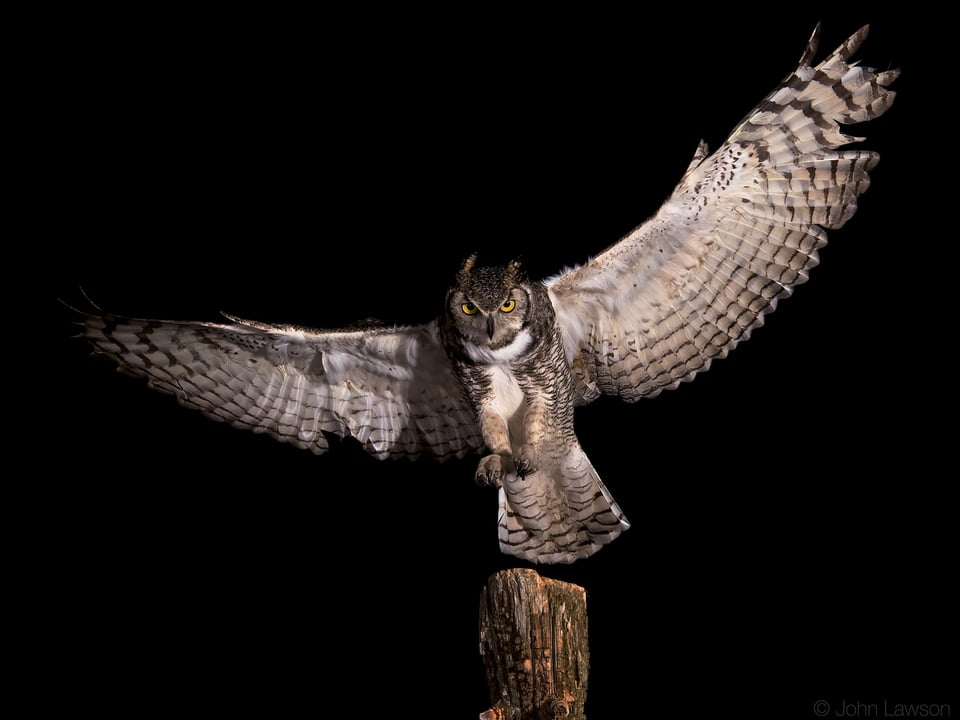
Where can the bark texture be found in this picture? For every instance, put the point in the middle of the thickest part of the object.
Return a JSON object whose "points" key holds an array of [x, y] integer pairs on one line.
{"points": [[533, 639]]}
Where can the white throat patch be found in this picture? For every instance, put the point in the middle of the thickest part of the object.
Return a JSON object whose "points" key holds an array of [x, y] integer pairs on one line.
{"points": [[501, 356]]}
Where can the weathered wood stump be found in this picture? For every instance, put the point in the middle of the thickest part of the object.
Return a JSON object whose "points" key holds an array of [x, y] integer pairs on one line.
{"points": [[533, 639]]}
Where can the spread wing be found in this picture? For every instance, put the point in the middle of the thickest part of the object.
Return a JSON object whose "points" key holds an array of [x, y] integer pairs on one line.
{"points": [[390, 388], [739, 232]]}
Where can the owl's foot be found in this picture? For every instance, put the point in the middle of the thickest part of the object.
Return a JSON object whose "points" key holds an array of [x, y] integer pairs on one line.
{"points": [[526, 460], [492, 468]]}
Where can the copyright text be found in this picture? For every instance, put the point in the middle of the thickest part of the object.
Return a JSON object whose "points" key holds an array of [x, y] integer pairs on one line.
{"points": [[883, 709]]}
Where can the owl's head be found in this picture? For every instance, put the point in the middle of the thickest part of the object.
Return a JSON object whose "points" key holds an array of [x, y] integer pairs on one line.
{"points": [[489, 306]]}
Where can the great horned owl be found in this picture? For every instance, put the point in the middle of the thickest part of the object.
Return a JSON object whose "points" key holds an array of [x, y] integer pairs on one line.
{"points": [[503, 367], [505, 347]]}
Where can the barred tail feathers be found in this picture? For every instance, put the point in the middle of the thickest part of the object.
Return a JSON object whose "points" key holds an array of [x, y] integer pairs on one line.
{"points": [[559, 514]]}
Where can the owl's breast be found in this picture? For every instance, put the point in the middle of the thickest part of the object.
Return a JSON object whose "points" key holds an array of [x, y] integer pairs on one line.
{"points": [[505, 395]]}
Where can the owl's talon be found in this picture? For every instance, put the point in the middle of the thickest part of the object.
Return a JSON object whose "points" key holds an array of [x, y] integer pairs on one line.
{"points": [[490, 471], [526, 461]]}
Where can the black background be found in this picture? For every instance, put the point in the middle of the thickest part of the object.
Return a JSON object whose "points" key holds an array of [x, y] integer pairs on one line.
{"points": [[790, 507]]}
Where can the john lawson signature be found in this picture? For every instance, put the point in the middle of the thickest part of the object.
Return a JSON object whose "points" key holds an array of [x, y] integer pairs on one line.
{"points": [[884, 709]]}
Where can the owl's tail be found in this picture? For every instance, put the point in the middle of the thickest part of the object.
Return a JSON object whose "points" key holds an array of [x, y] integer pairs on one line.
{"points": [[559, 514]]}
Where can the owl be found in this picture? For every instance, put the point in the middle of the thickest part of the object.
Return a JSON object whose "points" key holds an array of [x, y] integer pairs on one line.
{"points": [[501, 370]]}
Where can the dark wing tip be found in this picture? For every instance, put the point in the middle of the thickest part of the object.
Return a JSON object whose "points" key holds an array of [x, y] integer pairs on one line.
{"points": [[811, 49]]}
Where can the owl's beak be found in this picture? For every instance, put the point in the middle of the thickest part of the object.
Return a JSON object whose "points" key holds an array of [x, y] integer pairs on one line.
{"points": [[490, 327]]}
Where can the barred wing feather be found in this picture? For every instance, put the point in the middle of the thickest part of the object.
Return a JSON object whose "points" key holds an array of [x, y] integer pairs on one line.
{"points": [[739, 232], [390, 388]]}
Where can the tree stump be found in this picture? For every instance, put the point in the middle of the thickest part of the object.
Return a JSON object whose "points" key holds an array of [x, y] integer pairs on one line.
{"points": [[533, 639]]}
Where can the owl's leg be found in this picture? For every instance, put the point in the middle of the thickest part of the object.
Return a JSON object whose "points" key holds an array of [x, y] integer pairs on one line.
{"points": [[496, 436], [534, 429]]}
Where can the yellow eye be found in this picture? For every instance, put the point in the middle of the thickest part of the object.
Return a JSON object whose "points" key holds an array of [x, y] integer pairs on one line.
{"points": [[469, 308], [508, 306]]}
